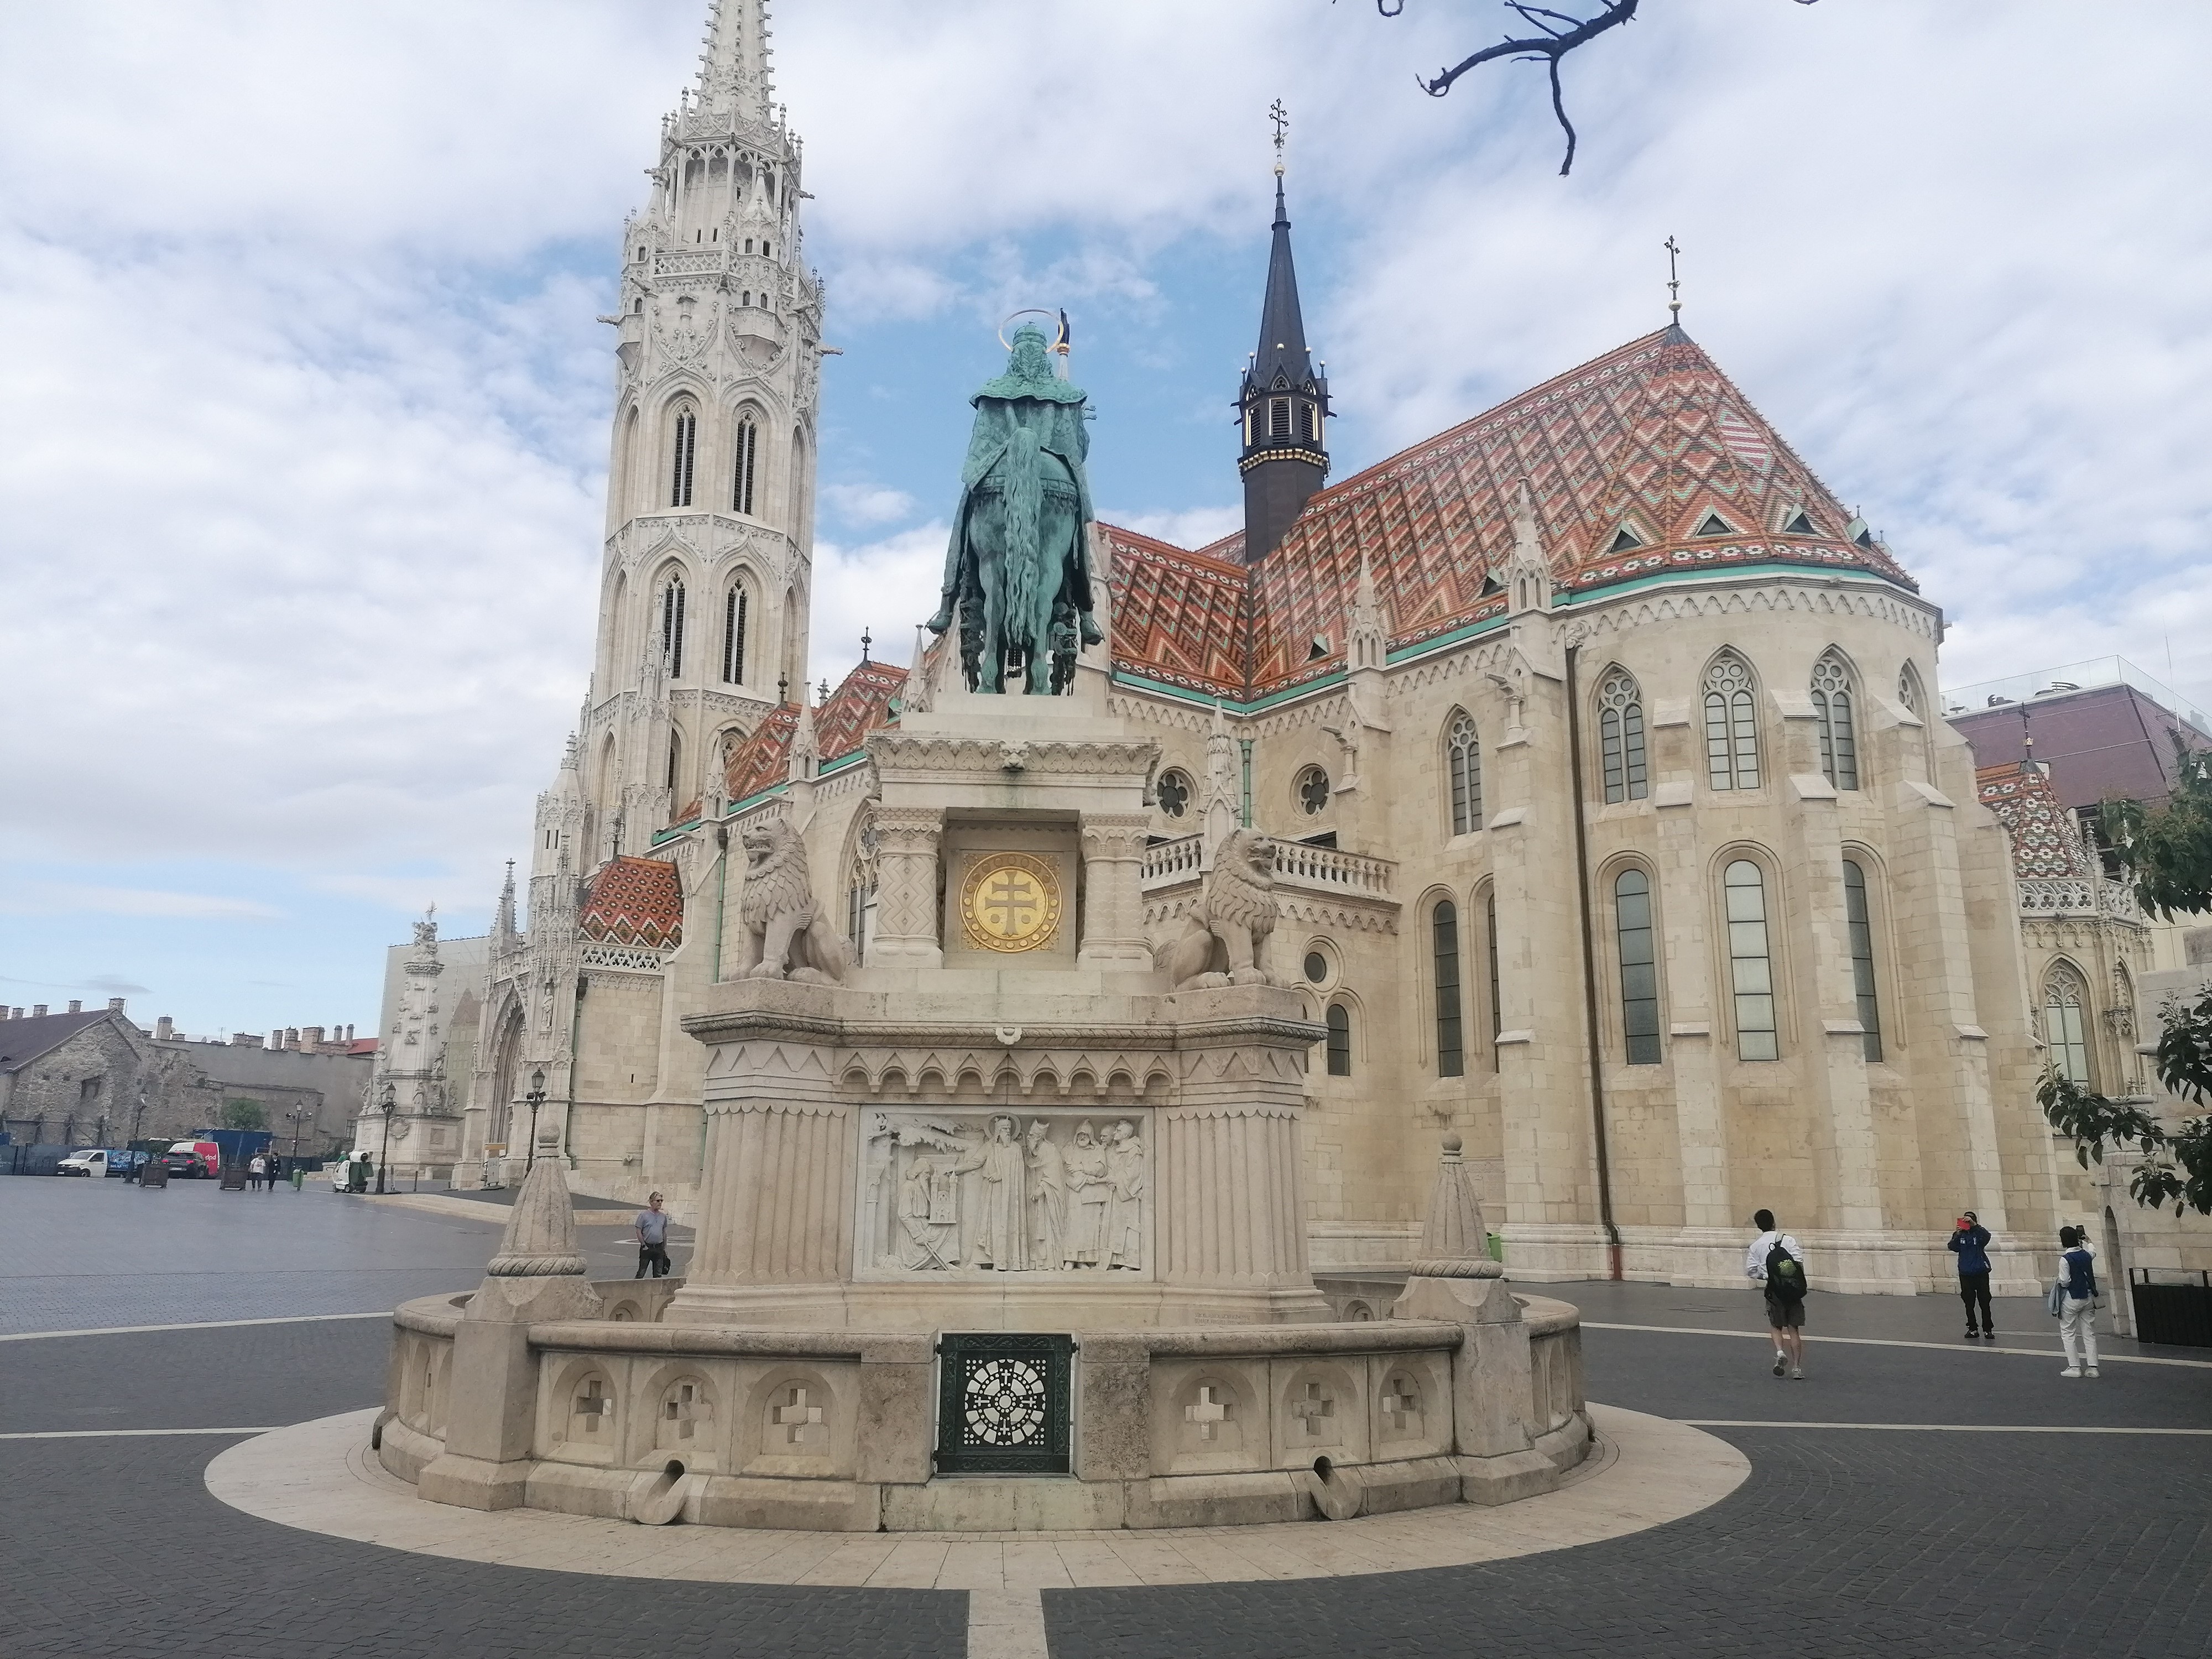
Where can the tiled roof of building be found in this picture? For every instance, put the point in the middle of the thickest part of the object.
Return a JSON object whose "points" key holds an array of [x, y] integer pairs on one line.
{"points": [[859, 705], [634, 901], [2046, 838], [1652, 440], [764, 757], [22, 1041]]}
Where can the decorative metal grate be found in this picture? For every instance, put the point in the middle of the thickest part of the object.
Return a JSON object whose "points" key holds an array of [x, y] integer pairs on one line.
{"points": [[1003, 1404]]}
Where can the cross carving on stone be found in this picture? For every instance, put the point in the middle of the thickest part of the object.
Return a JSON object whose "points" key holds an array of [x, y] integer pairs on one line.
{"points": [[1207, 1413], [686, 1407], [801, 1422], [1401, 1408], [1314, 1409], [593, 1404]]}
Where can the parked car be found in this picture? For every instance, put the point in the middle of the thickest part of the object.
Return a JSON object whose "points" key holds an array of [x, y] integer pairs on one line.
{"points": [[87, 1161], [189, 1160]]}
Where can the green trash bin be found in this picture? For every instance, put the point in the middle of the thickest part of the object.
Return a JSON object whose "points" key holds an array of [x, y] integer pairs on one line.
{"points": [[299, 1178]]}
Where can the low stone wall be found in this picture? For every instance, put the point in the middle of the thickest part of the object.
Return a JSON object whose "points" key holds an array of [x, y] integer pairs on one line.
{"points": [[833, 1431]]}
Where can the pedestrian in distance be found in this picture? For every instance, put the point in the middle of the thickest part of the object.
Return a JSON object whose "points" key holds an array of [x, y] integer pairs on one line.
{"points": [[2073, 1300], [257, 1168], [1778, 1262], [1970, 1243], [652, 1227], [276, 1170]]}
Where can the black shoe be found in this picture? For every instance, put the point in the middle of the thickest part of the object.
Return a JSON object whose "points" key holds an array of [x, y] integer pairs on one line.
{"points": [[1991, 1335], [1972, 1333]]}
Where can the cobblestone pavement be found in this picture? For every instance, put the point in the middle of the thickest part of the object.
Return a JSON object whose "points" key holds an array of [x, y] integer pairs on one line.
{"points": [[89, 1254], [1844, 1542]]}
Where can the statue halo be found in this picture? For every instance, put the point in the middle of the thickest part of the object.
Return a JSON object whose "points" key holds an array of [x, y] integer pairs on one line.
{"points": [[1053, 331]]}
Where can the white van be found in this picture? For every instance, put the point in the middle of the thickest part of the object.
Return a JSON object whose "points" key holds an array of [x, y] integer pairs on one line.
{"points": [[85, 1161]]}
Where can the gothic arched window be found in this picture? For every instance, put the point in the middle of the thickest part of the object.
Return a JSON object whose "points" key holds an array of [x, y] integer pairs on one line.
{"points": [[747, 471], [675, 765], [1173, 793], [1859, 917], [1339, 1040], [735, 620], [1831, 707], [1490, 943], [1640, 966], [1620, 737], [2065, 1027], [683, 453], [1305, 419], [1463, 762], [1751, 961], [1278, 417], [1731, 725], [1444, 938], [671, 627]]}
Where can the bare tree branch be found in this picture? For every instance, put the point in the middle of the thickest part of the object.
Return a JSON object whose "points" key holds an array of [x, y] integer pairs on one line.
{"points": [[1550, 45]]}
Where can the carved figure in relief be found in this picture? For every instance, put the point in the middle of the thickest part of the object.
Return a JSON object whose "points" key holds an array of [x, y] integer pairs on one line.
{"points": [[1224, 942], [1125, 1182], [786, 933], [924, 1240], [1002, 1211], [1048, 1198], [1088, 1190]]}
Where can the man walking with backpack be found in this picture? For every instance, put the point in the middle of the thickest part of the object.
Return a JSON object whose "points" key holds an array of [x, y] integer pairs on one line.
{"points": [[1778, 1262]]}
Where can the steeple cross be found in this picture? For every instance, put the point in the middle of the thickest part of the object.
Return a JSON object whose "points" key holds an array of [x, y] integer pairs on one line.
{"points": [[1281, 118], [1674, 281]]}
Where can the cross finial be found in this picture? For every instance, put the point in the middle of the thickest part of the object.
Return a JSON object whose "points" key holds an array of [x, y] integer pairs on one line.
{"points": [[783, 689], [1281, 118], [1674, 281], [864, 643]]}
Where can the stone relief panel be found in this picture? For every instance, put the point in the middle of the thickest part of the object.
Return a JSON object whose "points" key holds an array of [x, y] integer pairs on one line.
{"points": [[970, 1193]]}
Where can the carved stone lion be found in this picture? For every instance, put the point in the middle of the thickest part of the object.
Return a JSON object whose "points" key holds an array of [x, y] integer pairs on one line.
{"points": [[786, 933], [1225, 940]]}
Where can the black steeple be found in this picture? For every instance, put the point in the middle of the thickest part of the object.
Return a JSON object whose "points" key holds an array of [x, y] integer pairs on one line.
{"points": [[1284, 406]]}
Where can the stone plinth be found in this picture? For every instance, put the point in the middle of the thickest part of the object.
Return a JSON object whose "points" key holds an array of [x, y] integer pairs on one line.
{"points": [[987, 1149]]}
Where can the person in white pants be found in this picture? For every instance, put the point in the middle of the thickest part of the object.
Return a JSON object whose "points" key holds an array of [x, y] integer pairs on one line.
{"points": [[2077, 1303]]}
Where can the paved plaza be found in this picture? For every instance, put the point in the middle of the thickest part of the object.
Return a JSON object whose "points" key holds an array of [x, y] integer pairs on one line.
{"points": [[1946, 1500]]}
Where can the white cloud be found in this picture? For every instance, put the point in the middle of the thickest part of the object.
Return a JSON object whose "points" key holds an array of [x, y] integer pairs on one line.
{"points": [[65, 899], [1193, 528], [888, 587], [868, 504]]}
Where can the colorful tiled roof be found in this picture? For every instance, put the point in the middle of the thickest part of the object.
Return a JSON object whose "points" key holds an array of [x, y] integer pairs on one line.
{"points": [[1651, 438], [763, 759], [859, 705], [2046, 839], [634, 901]]}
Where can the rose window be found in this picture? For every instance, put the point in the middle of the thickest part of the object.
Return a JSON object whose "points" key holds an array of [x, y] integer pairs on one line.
{"points": [[1173, 793], [1313, 791]]}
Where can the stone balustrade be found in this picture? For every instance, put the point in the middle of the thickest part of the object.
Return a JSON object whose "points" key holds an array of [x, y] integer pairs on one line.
{"points": [[1172, 863]]}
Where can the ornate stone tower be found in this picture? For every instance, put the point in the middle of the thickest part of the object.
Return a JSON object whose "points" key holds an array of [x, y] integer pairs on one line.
{"points": [[710, 490], [1284, 404]]}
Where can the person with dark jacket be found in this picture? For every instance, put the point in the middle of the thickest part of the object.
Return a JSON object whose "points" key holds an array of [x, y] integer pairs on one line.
{"points": [[1970, 1243]]}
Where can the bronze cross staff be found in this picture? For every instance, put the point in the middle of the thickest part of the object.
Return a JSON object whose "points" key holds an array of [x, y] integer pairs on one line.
{"points": [[1673, 284], [1281, 118]]}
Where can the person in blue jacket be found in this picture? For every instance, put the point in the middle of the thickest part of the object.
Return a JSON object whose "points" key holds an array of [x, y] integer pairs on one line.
{"points": [[1970, 1243]]}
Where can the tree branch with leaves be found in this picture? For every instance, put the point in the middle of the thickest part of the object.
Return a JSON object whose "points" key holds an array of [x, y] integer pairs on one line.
{"points": [[2177, 1164]]}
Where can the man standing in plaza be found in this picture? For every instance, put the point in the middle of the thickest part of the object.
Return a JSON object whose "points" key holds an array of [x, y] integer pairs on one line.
{"points": [[1778, 1262], [652, 1227]]}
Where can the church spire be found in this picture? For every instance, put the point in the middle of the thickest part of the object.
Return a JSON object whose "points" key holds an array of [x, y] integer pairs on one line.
{"points": [[1284, 402], [734, 69]]}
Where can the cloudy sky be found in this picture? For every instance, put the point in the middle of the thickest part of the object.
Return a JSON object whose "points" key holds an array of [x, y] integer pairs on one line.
{"points": [[305, 407]]}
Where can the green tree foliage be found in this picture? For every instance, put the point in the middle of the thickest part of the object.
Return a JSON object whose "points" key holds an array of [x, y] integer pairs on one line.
{"points": [[243, 1114], [2166, 851], [2177, 1164]]}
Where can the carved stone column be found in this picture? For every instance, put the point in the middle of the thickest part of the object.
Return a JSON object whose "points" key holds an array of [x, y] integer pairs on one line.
{"points": [[1112, 915], [907, 838]]}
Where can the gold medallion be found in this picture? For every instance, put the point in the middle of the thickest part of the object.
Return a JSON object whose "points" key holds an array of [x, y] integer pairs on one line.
{"points": [[1010, 902]]}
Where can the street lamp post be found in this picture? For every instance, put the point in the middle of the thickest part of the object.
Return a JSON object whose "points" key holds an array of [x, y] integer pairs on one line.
{"points": [[299, 1115], [536, 1098], [390, 1104]]}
